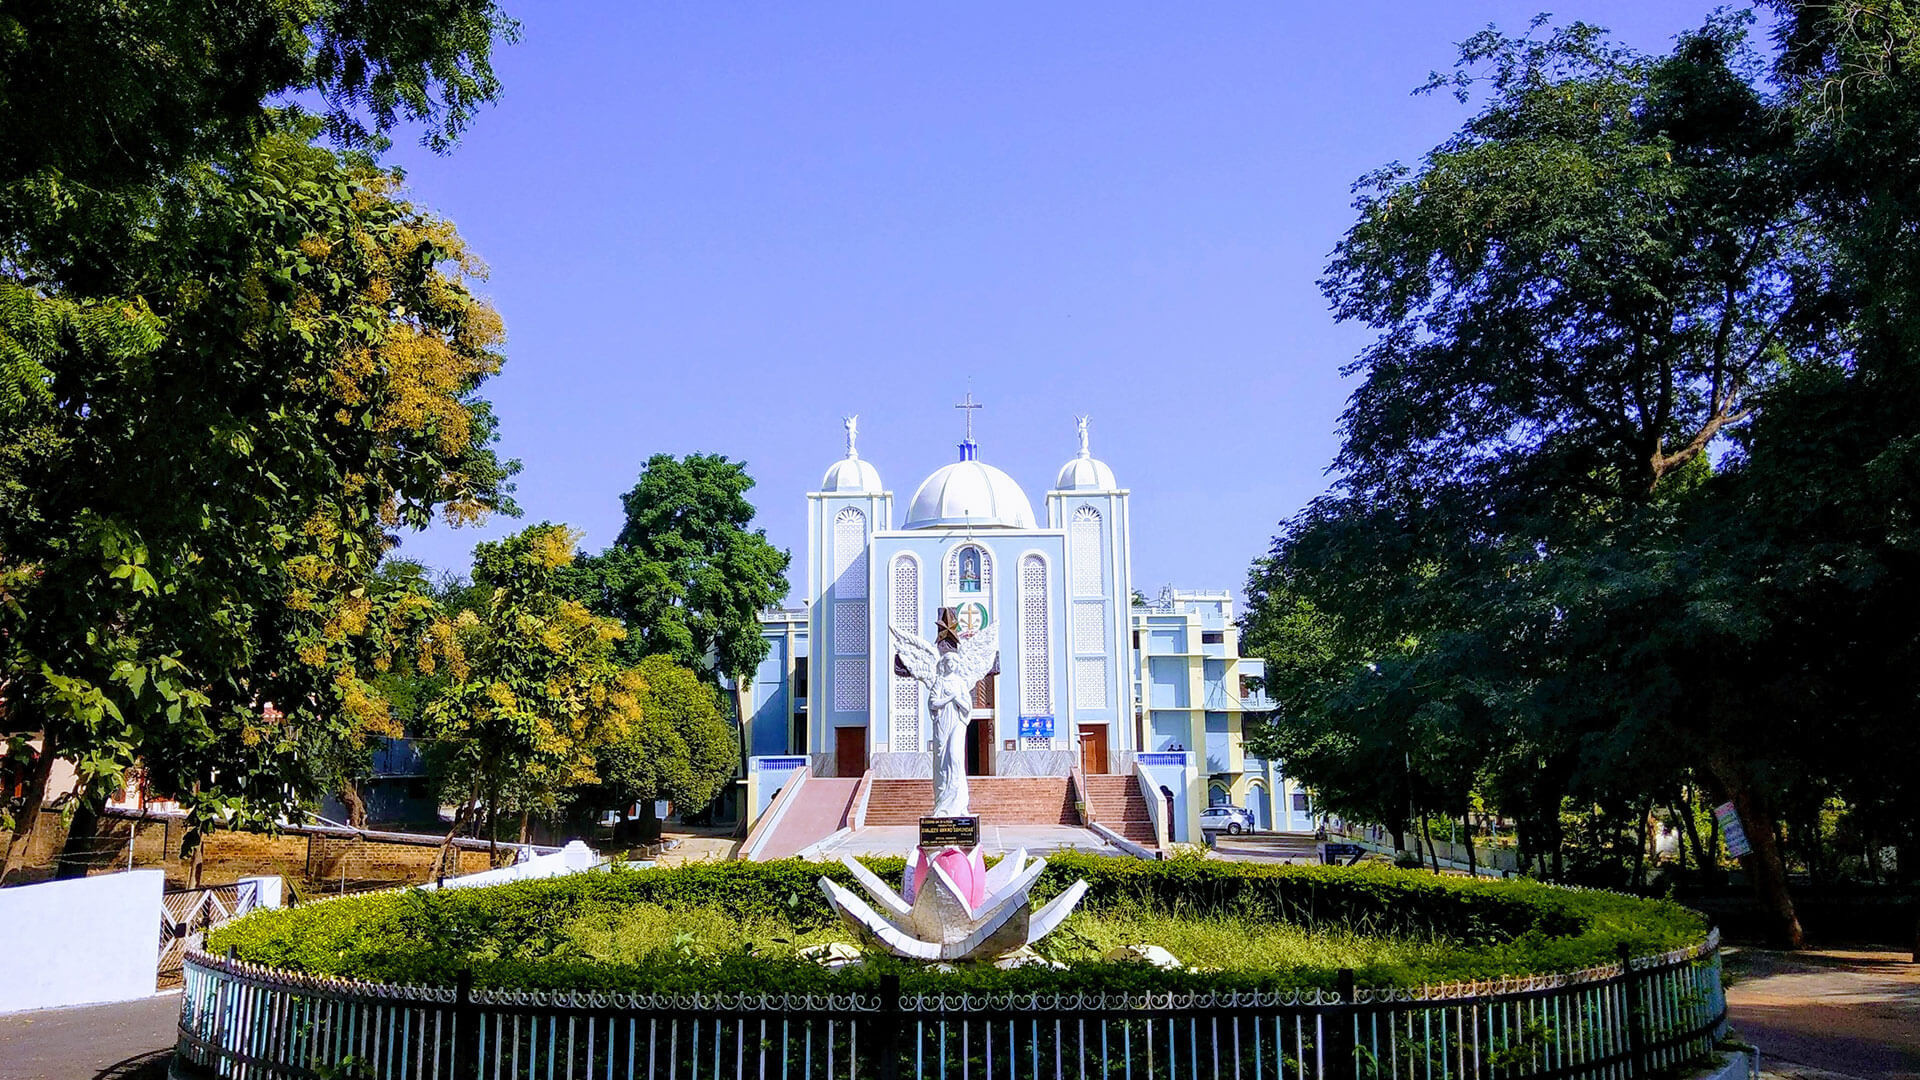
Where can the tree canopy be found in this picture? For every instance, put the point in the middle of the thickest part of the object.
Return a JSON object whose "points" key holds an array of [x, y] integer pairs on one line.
{"points": [[1623, 465], [233, 363]]}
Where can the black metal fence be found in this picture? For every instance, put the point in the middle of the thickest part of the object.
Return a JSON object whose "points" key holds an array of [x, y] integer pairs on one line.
{"points": [[1622, 1020]]}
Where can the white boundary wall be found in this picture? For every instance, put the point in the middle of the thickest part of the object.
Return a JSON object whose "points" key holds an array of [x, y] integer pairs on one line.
{"points": [[572, 859], [82, 941]]}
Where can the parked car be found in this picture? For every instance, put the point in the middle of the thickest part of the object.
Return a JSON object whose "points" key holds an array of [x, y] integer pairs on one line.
{"points": [[1232, 820]]}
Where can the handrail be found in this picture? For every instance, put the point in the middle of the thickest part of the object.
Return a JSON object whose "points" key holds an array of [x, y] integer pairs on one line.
{"points": [[857, 816], [1077, 785], [1156, 810], [763, 829]]}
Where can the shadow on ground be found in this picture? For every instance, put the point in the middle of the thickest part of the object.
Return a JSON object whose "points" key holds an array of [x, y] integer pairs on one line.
{"points": [[149, 1066]]}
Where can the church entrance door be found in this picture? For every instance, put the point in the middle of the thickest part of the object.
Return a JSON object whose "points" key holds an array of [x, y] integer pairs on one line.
{"points": [[849, 751], [980, 745], [1093, 749]]}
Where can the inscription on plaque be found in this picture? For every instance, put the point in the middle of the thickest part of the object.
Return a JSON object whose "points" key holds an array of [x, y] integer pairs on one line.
{"points": [[949, 831]]}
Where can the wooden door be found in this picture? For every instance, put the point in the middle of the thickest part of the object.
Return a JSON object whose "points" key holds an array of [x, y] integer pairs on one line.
{"points": [[1093, 749], [849, 751]]}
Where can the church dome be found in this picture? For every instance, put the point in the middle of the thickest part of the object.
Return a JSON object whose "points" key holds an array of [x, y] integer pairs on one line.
{"points": [[1085, 472], [970, 492], [851, 476]]}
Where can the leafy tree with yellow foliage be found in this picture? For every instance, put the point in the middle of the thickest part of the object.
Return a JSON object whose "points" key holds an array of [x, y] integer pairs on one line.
{"points": [[534, 684]]}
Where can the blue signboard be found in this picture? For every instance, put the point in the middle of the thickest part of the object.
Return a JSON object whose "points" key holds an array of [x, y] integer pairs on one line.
{"points": [[1036, 727]]}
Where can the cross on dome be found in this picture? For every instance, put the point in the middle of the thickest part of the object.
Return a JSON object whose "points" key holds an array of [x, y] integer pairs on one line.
{"points": [[969, 405]]}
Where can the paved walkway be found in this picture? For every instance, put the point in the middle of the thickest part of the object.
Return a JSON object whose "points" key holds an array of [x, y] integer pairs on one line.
{"points": [[1828, 1013], [127, 1041]]}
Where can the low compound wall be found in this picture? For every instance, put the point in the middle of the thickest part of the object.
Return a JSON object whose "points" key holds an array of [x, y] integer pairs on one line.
{"points": [[81, 941]]}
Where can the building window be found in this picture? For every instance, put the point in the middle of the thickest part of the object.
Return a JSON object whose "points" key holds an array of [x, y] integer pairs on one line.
{"points": [[850, 554], [970, 570], [905, 618], [1036, 691], [800, 680], [1300, 801], [1083, 537], [1213, 637]]}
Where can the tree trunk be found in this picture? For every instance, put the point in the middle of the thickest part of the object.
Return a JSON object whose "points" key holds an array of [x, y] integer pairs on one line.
{"points": [[1764, 863], [76, 855], [36, 794], [446, 862], [1701, 854], [356, 806], [1473, 859], [1642, 840], [1426, 830], [196, 870]]}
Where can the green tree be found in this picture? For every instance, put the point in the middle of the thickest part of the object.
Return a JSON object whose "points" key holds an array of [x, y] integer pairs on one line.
{"points": [[1579, 297], [687, 574], [535, 686], [683, 749], [230, 364]]}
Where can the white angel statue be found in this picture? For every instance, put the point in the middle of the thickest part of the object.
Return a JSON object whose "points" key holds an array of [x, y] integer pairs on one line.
{"points": [[949, 681]]}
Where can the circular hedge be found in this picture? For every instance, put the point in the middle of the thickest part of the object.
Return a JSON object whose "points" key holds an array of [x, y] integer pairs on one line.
{"points": [[739, 926]]}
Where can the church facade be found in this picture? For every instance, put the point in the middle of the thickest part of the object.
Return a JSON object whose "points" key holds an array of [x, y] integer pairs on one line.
{"points": [[1085, 677]]}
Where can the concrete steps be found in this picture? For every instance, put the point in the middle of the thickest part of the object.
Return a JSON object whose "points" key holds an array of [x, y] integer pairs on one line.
{"points": [[996, 800], [1116, 803]]}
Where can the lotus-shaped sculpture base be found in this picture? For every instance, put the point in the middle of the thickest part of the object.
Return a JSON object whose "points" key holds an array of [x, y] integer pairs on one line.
{"points": [[953, 907]]}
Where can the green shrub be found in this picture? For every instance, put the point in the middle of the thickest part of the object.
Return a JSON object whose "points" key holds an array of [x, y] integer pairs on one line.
{"points": [[739, 925]]}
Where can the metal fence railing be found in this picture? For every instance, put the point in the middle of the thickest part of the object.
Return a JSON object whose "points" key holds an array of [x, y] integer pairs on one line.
{"points": [[1624, 1020], [187, 915]]}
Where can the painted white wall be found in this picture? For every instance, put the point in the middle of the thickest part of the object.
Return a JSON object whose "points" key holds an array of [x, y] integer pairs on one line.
{"points": [[80, 942]]}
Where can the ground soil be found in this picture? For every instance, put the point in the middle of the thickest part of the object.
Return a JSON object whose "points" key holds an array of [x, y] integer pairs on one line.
{"points": [[1828, 1013]]}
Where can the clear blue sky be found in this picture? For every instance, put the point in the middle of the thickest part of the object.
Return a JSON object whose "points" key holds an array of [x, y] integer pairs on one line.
{"points": [[718, 228]]}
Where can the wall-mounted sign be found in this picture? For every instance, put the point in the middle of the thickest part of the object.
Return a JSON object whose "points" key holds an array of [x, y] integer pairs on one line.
{"points": [[1730, 828], [1036, 727]]}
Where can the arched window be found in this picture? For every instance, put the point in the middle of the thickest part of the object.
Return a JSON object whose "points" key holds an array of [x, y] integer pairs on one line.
{"points": [[970, 570], [1083, 538], [850, 554], [904, 613], [1036, 687]]}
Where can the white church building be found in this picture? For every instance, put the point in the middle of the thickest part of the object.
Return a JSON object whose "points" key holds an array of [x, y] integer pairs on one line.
{"points": [[1085, 675]]}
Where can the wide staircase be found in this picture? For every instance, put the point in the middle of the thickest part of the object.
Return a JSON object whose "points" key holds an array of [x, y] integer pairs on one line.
{"points": [[1117, 804], [995, 800]]}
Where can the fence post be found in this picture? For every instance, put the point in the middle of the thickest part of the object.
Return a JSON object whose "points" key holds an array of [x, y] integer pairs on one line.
{"points": [[1340, 1042], [886, 1044], [464, 1028], [1636, 1015]]}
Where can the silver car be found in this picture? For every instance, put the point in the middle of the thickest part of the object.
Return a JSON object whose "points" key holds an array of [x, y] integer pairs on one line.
{"points": [[1232, 820]]}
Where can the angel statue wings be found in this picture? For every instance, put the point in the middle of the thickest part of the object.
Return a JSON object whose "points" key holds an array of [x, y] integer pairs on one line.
{"points": [[949, 681]]}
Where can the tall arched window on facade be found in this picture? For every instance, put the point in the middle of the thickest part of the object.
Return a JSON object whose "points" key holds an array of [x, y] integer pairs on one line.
{"points": [[904, 615], [1036, 669]]}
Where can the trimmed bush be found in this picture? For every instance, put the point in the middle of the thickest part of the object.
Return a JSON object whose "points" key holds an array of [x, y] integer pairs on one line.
{"points": [[736, 926]]}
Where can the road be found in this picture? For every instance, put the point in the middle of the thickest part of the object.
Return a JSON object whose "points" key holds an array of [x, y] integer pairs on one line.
{"points": [[1828, 1013], [127, 1041]]}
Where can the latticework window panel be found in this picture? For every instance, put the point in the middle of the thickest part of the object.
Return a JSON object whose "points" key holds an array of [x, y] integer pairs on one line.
{"points": [[850, 554], [850, 627], [1036, 696], [849, 685], [1090, 682], [905, 616], [1090, 626], [1083, 537]]}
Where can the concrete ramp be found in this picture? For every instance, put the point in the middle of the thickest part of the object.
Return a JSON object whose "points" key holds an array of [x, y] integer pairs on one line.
{"points": [[821, 806]]}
